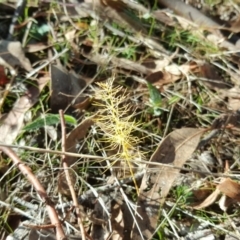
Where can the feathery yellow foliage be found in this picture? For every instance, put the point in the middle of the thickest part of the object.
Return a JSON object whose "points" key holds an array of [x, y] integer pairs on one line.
{"points": [[115, 119]]}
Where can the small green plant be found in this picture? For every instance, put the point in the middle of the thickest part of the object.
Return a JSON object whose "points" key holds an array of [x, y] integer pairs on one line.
{"points": [[212, 2], [155, 100], [182, 194], [195, 42]]}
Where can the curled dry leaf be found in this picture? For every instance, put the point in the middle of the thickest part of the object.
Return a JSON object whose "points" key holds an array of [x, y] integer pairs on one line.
{"points": [[12, 123], [174, 150], [230, 191], [230, 188], [12, 55], [209, 200]]}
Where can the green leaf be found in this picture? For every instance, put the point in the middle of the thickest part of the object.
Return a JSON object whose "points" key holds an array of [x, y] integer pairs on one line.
{"points": [[43, 29], [47, 120], [155, 100], [155, 96], [70, 120]]}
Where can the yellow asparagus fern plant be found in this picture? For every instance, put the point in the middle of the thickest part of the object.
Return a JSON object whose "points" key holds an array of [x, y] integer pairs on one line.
{"points": [[115, 119]]}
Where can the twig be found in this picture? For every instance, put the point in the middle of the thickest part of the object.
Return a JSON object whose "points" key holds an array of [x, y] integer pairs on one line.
{"points": [[47, 226], [26, 171], [34, 71], [42, 150], [17, 210], [66, 167], [207, 138]]}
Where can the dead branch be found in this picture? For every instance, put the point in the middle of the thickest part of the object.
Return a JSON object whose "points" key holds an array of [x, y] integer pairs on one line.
{"points": [[68, 177], [26, 171]]}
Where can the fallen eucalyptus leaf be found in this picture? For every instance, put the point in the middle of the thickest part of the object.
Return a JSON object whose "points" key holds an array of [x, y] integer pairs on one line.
{"points": [[13, 122], [65, 87], [12, 55], [174, 151]]}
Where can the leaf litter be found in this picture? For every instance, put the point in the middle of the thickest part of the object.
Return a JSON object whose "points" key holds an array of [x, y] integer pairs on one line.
{"points": [[149, 92], [175, 150]]}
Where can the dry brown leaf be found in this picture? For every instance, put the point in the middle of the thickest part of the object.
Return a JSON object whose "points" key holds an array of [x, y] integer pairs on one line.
{"points": [[209, 200], [116, 5], [233, 95], [83, 105], [230, 191], [117, 220], [174, 150], [65, 87], [235, 25], [31, 48], [12, 55], [12, 123], [224, 202], [230, 188], [3, 77], [63, 186], [157, 65], [224, 120], [75, 136], [161, 16], [210, 72], [155, 77], [168, 74], [202, 193]]}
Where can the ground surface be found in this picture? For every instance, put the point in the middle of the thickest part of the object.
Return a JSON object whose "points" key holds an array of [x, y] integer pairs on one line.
{"points": [[119, 119]]}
